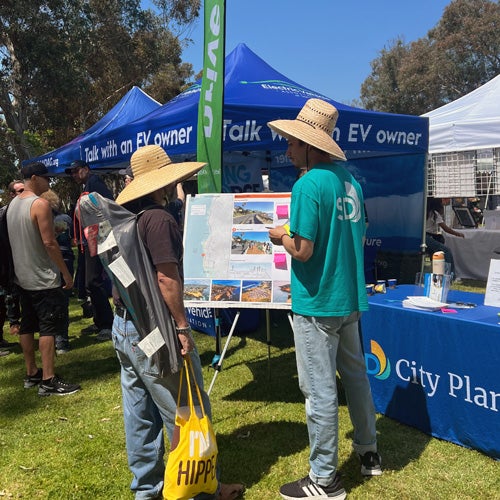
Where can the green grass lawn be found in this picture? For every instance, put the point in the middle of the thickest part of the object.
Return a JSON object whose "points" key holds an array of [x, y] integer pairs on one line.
{"points": [[74, 447]]}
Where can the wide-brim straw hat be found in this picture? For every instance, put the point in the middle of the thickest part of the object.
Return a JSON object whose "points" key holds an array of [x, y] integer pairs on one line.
{"points": [[314, 125], [153, 169]]}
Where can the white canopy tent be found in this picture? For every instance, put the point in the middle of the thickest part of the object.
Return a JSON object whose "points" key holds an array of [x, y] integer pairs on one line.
{"points": [[471, 122], [464, 144]]}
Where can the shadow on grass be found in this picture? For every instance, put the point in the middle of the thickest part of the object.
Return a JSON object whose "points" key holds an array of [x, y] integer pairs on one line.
{"points": [[399, 444], [209, 358], [246, 455], [80, 366], [274, 372], [269, 378], [280, 332]]}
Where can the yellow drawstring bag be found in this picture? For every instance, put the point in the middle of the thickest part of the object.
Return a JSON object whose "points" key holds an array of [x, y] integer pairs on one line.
{"points": [[192, 461]]}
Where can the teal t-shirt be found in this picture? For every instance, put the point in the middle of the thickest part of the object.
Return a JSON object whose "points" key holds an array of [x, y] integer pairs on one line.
{"points": [[327, 208]]}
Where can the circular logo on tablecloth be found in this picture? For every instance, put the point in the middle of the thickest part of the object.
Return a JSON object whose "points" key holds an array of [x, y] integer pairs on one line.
{"points": [[377, 363]]}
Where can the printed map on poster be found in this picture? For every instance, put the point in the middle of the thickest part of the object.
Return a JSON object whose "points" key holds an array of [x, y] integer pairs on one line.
{"points": [[229, 260]]}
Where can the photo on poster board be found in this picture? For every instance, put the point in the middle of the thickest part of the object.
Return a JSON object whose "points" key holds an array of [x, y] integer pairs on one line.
{"points": [[229, 260]]}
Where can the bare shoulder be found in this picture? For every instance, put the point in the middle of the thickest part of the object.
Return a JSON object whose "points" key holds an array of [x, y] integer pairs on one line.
{"points": [[41, 203], [41, 208]]}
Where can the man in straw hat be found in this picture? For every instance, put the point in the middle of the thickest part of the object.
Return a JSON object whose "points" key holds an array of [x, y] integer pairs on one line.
{"points": [[150, 401], [325, 240]]}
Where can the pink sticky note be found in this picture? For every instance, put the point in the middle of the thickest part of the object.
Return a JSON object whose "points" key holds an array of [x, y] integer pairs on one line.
{"points": [[280, 260], [282, 211]]}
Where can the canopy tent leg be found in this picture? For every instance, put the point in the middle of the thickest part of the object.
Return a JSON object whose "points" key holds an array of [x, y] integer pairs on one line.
{"points": [[268, 332], [218, 336]]}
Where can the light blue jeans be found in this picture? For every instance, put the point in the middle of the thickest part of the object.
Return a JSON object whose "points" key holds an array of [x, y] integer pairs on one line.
{"points": [[324, 346], [149, 402]]}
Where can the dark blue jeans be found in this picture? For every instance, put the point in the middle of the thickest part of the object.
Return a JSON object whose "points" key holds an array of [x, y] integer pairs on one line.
{"points": [[436, 246], [98, 291]]}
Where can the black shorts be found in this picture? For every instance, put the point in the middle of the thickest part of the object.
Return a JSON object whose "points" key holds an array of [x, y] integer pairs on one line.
{"points": [[44, 311]]}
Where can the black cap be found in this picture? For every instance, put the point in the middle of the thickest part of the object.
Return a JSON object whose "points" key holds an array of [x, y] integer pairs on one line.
{"points": [[37, 168], [76, 164], [127, 171]]}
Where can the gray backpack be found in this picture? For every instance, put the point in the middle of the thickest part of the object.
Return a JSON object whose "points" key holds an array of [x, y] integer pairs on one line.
{"points": [[126, 261]]}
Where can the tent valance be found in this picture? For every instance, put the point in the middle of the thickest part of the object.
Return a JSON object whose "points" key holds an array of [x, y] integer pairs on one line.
{"points": [[134, 104]]}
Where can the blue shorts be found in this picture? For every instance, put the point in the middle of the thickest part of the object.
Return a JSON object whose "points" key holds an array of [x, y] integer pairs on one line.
{"points": [[44, 311]]}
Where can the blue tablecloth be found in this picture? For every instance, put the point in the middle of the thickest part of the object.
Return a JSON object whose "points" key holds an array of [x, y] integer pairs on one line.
{"points": [[438, 372]]}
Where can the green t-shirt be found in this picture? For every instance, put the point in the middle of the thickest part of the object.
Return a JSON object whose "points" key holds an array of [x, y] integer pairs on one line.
{"points": [[327, 208]]}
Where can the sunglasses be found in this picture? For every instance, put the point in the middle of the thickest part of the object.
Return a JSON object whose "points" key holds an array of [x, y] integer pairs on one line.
{"points": [[19, 191]]}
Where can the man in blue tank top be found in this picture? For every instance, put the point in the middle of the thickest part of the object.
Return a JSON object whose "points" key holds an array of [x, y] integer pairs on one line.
{"points": [[325, 240]]}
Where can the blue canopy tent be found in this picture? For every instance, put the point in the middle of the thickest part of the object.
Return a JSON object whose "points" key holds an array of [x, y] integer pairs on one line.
{"points": [[387, 152], [254, 94], [134, 104]]}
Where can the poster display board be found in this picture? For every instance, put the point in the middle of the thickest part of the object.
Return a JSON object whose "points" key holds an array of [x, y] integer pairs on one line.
{"points": [[229, 260]]}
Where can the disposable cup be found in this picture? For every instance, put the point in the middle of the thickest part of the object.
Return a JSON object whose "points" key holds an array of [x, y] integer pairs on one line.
{"points": [[392, 283]]}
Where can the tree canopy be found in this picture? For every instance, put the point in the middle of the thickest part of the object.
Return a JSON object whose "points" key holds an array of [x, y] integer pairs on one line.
{"points": [[457, 56], [64, 63]]}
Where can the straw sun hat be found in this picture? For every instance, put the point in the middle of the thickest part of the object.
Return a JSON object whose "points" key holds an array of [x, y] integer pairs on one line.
{"points": [[153, 169], [314, 125]]}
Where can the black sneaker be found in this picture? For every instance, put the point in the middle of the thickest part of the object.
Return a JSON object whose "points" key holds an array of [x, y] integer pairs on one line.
{"points": [[89, 330], [104, 334], [306, 488], [57, 387], [371, 464], [32, 380], [7, 345]]}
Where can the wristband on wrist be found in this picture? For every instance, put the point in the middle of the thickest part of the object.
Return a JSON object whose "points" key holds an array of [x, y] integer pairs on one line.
{"points": [[185, 330], [281, 237]]}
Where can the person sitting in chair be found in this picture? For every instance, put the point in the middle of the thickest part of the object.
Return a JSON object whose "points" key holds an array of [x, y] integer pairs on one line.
{"points": [[434, 225]]}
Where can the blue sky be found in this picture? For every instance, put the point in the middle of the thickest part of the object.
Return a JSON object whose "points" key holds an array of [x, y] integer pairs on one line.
{"points": [[325, 45]]}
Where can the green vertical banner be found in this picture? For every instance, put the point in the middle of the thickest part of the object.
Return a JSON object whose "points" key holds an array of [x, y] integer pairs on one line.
{"points": [[211, 105]]}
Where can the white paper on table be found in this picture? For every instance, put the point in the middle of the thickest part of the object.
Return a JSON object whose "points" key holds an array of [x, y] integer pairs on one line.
{"points": [[152, 342], [492, 295], [422, 302], [121, 270]]}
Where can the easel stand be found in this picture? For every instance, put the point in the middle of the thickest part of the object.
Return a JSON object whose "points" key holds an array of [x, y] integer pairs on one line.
{"points": [[217, 364]]}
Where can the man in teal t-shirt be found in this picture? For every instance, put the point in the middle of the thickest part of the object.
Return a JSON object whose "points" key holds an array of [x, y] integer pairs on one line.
{"points": [[325, 240]]}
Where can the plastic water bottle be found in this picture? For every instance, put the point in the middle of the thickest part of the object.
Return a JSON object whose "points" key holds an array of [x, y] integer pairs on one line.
{"points": [[438, 262]]}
